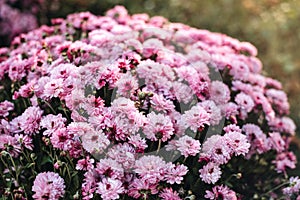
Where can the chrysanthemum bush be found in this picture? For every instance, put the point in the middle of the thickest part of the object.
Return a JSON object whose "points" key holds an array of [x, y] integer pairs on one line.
{"points": [[136, 107]]}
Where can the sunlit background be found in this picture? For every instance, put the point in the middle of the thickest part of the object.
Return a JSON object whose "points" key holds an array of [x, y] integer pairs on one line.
{"points": [[271, 25]]}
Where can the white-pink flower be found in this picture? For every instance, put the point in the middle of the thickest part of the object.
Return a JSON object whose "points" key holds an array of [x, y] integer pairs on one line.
{"points": [[48, 185], [210, 173], [158, 127], [110, 189], [196, 118]]}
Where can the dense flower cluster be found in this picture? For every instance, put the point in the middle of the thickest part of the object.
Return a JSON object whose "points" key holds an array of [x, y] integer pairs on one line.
{"points": [[17, 17], [130, 106]]}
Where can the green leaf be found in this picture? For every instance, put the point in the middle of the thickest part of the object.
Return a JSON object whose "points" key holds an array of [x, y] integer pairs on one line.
{"points": [[46, 159]]}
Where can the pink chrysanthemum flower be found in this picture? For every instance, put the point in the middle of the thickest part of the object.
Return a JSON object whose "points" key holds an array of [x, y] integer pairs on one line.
{"points": [[109, 168], [159, 103], [285, 160], [213, 110], [186, 145], [138, 187], [61, 139], [244, 101], [169, 194], [48, 185], [150, 168], [94, 141], [216, 150], [51, 123], [30, 120], [174, 174], [85, 164], [210, 173], [237, 142], [196, 118], [232, 128], [10, 144], [110, 189], [5, 107], [294, 186], [124, 154], [126, 85], [158, 127], [221, 192], [258, 140], [219, 92], [277, 142]]}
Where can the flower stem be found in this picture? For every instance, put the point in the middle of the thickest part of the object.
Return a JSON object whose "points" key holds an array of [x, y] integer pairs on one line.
{"points": [[275, 188], [159, 146], [48, 104]]}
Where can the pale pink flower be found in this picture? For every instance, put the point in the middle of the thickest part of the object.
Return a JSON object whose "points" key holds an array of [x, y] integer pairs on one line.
{"points": [[244, 101], [126, 85], [216, 150], [124, 154], [85, 164], [159, 103], [258, 140], [219, 92], [276, 141], [182, 92], [110, 189], [196, 118], [24, 141], [210, 173], [54, 88], [110, 168], [158, 127], [220, 192], [237, 142], [30, 120], [150, 168], [229, 110], [212, 109], [5, 107], [175, 173], [239, 70], [48, 185], [169, 194], [283, 124], [51, 123], [279, 100], [186, 145], [285, 160], [137, 187], [232, 128], [94, 141], [294, 186], [10, 144], [61, 139], [138, 143]]}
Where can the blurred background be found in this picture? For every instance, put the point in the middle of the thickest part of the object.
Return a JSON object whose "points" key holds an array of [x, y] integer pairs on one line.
{"points": [[271, 25]]}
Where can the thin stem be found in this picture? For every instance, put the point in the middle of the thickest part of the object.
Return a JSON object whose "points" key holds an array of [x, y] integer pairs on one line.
{"points": [[9, 168], [229, 178], [66, 114], [145, 196], [48, 104], [275, 188], [159, 146], [15, 167]]}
